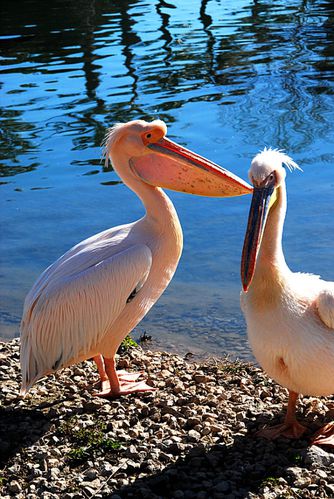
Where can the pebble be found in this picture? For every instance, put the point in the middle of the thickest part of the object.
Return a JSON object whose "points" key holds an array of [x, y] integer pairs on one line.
{"points": [[222, 487], [201, 378], [316, 457], [194, 435], [14, 487], [91, 474], [191, 439], [330, 489]]}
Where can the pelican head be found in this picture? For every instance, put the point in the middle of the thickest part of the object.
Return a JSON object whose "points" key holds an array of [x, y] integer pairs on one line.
{"points": [[141, 150], [267, 174]]}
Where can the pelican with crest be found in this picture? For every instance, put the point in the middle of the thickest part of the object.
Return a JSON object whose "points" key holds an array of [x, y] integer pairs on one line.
{"points": [[290, 316], [86, 303]]}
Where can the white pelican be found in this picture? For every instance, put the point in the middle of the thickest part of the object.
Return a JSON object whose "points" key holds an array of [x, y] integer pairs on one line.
{"points": [[86, 302], [290, 316]]}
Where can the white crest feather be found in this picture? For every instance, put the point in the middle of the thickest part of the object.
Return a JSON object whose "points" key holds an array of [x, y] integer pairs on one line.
{"points": [[108, 141], [277, 155]]}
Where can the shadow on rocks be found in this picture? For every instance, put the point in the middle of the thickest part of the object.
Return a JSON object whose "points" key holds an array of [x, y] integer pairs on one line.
{"points": [[225, 470], [20, 428]]}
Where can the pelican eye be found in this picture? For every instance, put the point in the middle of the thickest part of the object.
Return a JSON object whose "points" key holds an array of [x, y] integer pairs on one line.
{"points": [[271, 179], [154, 135]]}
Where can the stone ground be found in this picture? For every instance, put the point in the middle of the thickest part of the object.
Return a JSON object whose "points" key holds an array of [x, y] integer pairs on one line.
{"points": [[192, 438]]}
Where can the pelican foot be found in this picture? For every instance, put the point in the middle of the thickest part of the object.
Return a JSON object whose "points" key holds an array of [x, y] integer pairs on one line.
{"points": [[287, 430], [125, 376], [324, 436], [125, 388], [104, 384]]}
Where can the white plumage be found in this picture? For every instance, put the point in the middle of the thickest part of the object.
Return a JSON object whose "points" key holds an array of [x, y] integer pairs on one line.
{"points": [[290, 316], [86, 303], [77, 300]]}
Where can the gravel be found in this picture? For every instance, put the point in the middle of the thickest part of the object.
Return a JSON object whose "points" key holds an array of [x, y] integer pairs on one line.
{"points": [[192, 438]]}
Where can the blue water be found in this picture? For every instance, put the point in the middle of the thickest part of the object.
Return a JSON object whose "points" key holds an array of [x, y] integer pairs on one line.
{"points": [[228, 78]]}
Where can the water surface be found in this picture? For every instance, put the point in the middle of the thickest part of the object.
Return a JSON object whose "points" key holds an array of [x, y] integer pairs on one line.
{"points": [[228, 78]]}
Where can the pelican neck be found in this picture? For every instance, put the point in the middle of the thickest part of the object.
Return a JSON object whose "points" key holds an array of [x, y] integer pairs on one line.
{"points": [[271, 256], [159, 208]]}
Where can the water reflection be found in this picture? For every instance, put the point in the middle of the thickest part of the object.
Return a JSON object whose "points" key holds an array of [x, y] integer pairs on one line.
{"points": [[290, 42], [227, 77], [13, 143], [128, 39], [164, 28], [206, 20]]}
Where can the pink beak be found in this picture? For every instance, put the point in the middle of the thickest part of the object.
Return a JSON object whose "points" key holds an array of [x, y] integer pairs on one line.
{"points": [[174, 167]]}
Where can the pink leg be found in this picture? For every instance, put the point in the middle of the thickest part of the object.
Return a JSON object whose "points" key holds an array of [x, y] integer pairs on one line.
{"points": [[99, 361], [290, 428], [122, 375], [119, 385], [324, 436]]}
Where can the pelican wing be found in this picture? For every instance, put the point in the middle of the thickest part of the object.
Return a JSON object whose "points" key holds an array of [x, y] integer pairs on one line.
{"points": [[325, 305], [70, 316]]}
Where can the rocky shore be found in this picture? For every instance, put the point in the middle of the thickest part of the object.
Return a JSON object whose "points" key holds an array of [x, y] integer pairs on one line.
{"points": [[192, 438]]}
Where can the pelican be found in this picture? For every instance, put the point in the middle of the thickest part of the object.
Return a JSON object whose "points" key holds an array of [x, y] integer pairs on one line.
{"points": [[85, 303], [290, 316]]}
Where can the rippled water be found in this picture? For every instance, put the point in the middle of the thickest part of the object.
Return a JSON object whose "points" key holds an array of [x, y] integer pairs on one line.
{"points": [[228, 77]]}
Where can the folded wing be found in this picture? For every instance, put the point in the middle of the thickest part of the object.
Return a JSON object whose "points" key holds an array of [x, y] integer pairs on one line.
{"points": [[325, 305], [70, 314]]}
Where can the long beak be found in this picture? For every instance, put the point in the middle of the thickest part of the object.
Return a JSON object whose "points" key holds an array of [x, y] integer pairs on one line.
{"points": [[173, 167], [255, 227]]}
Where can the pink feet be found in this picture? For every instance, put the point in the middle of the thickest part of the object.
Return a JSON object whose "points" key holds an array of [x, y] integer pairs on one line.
{"points": [[123, 388], [291, 429], [324, 436], [115, 383]]}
